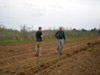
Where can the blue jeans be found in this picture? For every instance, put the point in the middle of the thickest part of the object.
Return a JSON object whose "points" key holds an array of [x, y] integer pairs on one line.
{"points": [[60, 46]]}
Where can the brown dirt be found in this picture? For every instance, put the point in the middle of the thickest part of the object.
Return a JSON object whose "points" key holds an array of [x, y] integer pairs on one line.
{"points": [[81, 56]]}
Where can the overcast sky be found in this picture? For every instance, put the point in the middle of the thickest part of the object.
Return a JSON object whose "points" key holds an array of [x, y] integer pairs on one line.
{"points": [[50, 13]]}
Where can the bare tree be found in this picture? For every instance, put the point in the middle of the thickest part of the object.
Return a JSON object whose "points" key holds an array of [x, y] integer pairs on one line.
{"points": [[24, 31]]}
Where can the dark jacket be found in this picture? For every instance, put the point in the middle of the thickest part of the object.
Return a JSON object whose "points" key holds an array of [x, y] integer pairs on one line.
{"points": [[38, 36], [60, 35]]}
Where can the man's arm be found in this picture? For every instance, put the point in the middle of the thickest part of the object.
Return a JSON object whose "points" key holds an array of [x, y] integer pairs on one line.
{"points": [[64, 36], [56, 35], [36, 35]]}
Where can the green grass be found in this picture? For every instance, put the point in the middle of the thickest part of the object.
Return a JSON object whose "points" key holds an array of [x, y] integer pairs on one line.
{"points": [[67, 37], [10, 40]]}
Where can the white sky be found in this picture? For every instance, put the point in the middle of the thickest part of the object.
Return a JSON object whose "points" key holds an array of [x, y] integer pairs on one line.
{"points": [[50, 13]]}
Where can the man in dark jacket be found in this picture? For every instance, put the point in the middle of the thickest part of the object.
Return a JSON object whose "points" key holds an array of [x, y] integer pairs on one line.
{"points": [[39, 37], [60, 37]]}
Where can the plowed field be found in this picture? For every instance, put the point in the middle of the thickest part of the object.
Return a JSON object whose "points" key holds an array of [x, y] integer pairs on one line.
{"points": [[81, 56]]}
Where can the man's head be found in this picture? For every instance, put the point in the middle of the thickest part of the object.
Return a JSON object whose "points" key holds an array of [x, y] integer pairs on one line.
{"points": [[40, 28], [60, 29]]}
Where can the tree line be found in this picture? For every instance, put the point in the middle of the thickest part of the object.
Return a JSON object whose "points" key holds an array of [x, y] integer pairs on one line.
{"points": [[27, 33]]}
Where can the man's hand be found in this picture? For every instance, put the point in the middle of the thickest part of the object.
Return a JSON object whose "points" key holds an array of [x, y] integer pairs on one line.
{"points": [[57, 35], [42, 35]]}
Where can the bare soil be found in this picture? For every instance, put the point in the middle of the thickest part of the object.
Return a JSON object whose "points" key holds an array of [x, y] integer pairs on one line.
{"points": [[81, 56]]}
